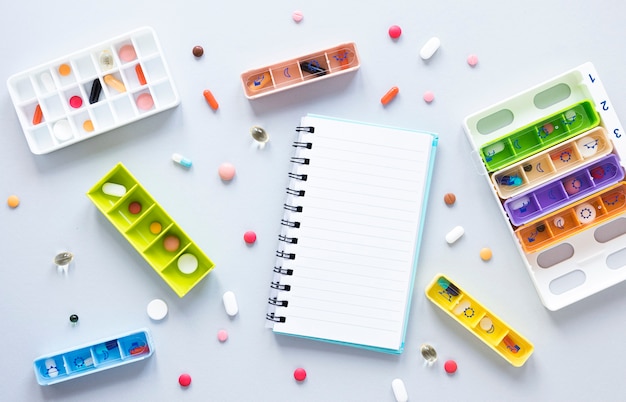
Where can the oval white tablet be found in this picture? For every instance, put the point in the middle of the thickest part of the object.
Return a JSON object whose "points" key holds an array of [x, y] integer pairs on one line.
{"points": [[187, 263], [430, 48], [455, 234], [113, 189], [521, 203], [157, 309], [399, 390], [230, 303], [46, 80]]}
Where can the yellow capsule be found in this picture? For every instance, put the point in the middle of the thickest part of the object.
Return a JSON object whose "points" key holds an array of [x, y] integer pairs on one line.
{"points": [[114, 83]]}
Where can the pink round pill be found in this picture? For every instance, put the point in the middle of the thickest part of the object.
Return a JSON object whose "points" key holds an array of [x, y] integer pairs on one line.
{"points": [[226, 171], [450, 366], [145, 101], [249, 237], [76, 101], [222, 335], [299, 374], [429, 96], [472, 60], [184, 380], [127, 53], [395, 31], [297, 16], [171, 243]]}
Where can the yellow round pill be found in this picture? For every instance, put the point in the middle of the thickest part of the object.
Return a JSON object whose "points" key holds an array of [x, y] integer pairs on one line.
{"points": [[64, 69], [88, 125], [155, 228], [13, 201], [486, 254]]}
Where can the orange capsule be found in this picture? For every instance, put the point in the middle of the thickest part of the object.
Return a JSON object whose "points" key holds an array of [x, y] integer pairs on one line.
{"points": [[388, 97], [140, 76], [210, 99], [38, 116]]}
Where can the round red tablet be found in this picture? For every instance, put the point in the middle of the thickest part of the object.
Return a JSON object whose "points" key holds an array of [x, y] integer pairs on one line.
{"points": [[450, 366], [134, 207], [76, 102], [299, 374], [395, 31], [184, 380], [249, 237]]}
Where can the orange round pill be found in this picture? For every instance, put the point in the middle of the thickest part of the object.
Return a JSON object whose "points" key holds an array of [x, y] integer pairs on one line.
{"points": [[88, 125], [13, 201], [486, 254], [155, 227], [171, 243], [65, 69], [449, 198]]}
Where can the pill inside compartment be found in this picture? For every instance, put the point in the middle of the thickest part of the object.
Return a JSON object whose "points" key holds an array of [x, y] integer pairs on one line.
{"points": [[314, 66], [149, 227], [180, 275]]}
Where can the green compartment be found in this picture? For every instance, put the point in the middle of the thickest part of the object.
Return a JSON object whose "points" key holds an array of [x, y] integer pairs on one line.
{"points": [[106, 202], [140, 232], [539, 135], [121, 214], [180, 281]]}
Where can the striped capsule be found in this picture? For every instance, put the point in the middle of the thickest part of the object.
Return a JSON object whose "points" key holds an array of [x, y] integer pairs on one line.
{"points": [[388, 97], [210, 99]]}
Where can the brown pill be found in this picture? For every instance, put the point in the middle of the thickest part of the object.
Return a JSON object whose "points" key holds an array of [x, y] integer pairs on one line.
{"points": [[449, 198], [198, 51]]}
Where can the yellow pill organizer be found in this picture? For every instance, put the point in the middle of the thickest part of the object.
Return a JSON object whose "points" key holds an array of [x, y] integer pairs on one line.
{"points": [[147, 226], [478, 320], [568, 257], [73, 108]]}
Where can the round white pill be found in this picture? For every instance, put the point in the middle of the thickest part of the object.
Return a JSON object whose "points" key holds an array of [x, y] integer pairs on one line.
{"points": [[430, 48], [399, 390], [230, 303], [585, 213], [455, 234], [157, 309], [113, 189], [187, 263], [62, 130]]}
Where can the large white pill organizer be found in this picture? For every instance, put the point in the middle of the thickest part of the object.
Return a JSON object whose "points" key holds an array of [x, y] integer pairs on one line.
{"points": [[92, 91]]}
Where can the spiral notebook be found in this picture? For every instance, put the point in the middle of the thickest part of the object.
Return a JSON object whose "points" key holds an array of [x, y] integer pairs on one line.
{"points": [[350, 234]]}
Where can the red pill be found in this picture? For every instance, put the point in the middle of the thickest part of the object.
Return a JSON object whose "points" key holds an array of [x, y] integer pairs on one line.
{"points": [[249, 237], [299, 374], [184, 380], [388, 97], [210, 99], [395, 31], [134, 207], [450, 366], [76, 102]]}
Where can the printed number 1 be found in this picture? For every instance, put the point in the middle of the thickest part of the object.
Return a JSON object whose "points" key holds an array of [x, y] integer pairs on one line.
{"points": [[592, 79]]}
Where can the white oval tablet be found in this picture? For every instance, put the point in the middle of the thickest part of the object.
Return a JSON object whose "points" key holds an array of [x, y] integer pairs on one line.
{"points": [[461, 307], [113, 189], [521, 203], [187, 263], [399, 390], [230, 303], [62, 130], [46, 80], [430, 48], [455, 234], [157, 309]]}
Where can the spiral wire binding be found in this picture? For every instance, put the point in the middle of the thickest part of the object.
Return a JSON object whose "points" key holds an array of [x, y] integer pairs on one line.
{"points": [[307, 129]]}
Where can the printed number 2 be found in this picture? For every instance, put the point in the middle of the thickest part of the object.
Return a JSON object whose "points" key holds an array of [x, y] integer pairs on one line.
{"points": [[592, 79]]}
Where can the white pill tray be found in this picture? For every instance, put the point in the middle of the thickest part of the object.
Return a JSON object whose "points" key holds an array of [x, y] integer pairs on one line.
{"points": [[63, 124]]}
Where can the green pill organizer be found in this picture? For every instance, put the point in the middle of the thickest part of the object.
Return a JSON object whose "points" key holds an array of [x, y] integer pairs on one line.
{"points": [[150, 230], [539, 135]]}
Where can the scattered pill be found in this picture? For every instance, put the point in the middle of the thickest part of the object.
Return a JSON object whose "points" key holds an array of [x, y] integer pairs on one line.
{"points": [[230, 303], [184, 380], [210, 99], [187, 263], [145, 101], [585, 213], [388, 97], [38, 115], [249, 237], [73, 319], [65, 70], [114, 83], [485, 254], [140, 75], [222, 335], [106, 60], [113, 189], [156, 227], [297, 16], [171, 243], [259, 134], [76, 101], [62, 130], [430, 47], [63, 260], [47, 81], [226, 171], [157, 309], [395, 31], [181, 160], [486, 325], [88, 125], [134, 207], [455, 234], [96, 89], [399, 390], [197, 51], [450, 366], [429, 96], [472, 60], [428, 353], [13, 201], [299, 374], [449, 198], [127, 53]]}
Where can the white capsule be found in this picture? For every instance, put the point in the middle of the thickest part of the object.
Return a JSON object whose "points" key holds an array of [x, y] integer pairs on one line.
{"points": [[230, 303], [455, 234], [181, 160], [46, 80], [430, 48], [399, 390], [113, 189]]}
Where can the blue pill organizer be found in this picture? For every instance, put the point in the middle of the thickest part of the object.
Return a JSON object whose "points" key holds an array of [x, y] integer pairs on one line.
{"points": [[570, 262], [93, 357]]}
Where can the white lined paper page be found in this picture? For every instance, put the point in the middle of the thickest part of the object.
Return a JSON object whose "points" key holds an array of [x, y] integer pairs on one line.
{"points": [[358, 232]]}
